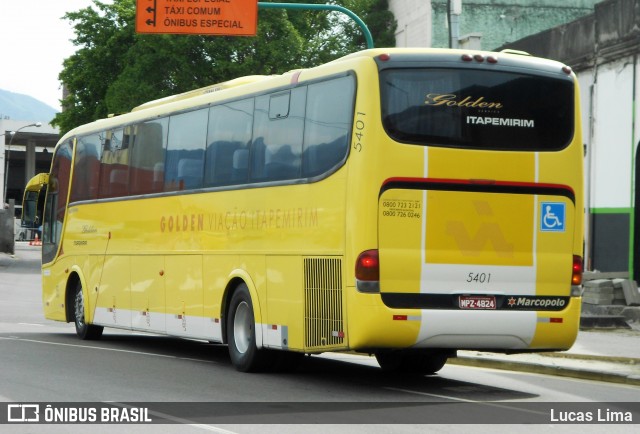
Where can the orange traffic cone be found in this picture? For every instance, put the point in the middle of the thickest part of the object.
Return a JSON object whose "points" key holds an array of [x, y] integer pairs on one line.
{"points": [[36, 241]]}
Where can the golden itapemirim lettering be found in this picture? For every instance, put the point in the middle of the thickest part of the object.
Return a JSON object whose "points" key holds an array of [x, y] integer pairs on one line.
{"points": [[236, 220], [449, 100], [182, 223]]}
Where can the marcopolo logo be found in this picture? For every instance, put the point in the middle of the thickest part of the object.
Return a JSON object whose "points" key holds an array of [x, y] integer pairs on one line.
{"points": [[536, 303]]}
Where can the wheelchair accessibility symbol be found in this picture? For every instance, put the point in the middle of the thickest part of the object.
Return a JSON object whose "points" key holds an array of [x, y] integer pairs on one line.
{"points": [[552, 217]]}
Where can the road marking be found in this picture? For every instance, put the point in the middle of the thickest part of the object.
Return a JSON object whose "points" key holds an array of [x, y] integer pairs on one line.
{"points": [[415, 392], [30, 324], [177, 419], [15, 338], [488, 404]]}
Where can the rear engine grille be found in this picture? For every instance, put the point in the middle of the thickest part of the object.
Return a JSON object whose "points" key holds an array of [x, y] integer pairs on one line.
{"points": [[324, 327]]}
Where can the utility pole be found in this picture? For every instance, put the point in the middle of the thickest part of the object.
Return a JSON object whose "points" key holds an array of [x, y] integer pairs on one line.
{"points": [[454, 11]]}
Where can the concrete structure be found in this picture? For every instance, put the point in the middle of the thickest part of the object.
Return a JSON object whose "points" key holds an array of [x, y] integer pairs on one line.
{"points": [[25, 152], [28, 152], [604, 51], [414, 22], [424, 23]]}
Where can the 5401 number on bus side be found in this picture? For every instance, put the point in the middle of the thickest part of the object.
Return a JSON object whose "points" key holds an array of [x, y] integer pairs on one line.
{"points": [[478, 278]]}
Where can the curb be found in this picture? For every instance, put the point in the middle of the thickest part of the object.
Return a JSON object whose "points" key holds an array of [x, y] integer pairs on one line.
{"points": [[595, 322], [7, 259], [537, 368], [593, 358]]}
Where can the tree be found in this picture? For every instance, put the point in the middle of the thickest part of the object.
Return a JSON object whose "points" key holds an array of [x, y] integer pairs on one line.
{"points": [[381, 22], [116, 69], [378, 18], [104, 37]]}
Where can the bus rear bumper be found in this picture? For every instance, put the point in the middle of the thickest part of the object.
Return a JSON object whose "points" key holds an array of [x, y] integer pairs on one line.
{"points": [[380, 327]]}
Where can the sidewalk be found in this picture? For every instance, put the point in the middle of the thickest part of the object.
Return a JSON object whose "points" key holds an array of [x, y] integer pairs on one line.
{"points": [[607, 355]]}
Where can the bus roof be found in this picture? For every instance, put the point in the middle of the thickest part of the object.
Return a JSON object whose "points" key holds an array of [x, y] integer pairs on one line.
{"points": [[240, 81], [36, 183], [235, 87]]}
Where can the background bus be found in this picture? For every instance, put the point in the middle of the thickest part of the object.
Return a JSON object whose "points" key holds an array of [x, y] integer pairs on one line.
{"points": [[398, 202], [29, 220]]}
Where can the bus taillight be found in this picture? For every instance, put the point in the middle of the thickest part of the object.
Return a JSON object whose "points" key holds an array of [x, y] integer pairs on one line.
{"points": [[368, 271], [576, 274]]}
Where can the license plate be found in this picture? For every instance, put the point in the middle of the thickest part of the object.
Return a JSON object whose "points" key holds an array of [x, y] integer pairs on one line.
{"points": [[477, 302]]}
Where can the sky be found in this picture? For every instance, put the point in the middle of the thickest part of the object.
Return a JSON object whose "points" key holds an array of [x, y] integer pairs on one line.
{"points": [[34, 42]]}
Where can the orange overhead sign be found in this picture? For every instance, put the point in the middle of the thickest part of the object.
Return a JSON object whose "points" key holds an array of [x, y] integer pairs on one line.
{"points": [[202, 17]]}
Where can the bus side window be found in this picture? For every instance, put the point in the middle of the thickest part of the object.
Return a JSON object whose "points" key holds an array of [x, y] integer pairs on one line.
{"points": [[277, 136], [184, 162], [147, 157], [240, 166], [327, 124], [114, 165], [230, 127], [86, 171]]}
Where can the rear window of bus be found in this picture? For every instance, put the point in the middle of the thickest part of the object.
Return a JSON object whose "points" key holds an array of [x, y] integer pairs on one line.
{"points": [[477, 109]]}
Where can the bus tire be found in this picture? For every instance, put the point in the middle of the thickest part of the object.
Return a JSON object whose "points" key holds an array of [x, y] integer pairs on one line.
{"points": [[412, 362], [241, 330], [83, 330]]}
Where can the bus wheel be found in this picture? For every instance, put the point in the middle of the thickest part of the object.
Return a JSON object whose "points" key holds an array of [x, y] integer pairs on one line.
{"points": [[83, 330], [241, 329], [412, 362]]}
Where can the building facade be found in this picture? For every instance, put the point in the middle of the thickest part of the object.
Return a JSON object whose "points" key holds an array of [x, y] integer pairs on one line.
{"points": [[603, 48], [424, 23], [24, 151]]}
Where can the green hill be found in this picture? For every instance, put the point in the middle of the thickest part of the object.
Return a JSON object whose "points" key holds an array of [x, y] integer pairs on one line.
{"points": [[21, 107]]}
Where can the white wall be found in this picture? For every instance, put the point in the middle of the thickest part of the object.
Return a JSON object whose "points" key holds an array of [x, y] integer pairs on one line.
{"points": [[612, 147], [414, 22]]}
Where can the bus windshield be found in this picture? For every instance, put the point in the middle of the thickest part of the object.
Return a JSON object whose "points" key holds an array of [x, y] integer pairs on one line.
{"points": [[477, 109]]}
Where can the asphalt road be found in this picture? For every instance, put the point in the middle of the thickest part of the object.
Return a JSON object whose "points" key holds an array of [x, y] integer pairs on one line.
{"points": [[43, 362]]}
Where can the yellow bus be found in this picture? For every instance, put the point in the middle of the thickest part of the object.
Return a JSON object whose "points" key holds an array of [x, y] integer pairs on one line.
{"points": [[34, 196], [405, 203]]}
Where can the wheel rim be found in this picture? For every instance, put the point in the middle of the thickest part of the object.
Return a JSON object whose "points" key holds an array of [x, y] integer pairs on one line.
{"points": [[242, 323], [79, 305]]}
